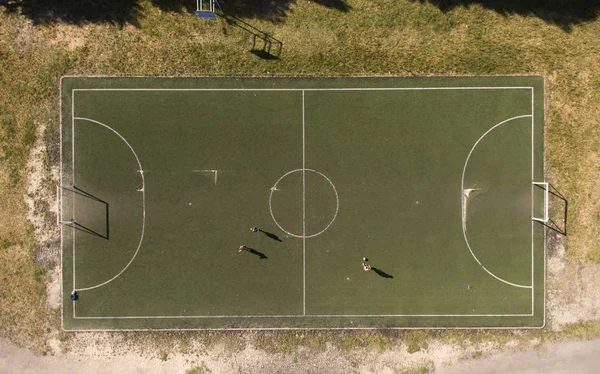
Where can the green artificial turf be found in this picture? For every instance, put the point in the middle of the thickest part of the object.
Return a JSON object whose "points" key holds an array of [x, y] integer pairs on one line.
{"points": [[171, 174]]}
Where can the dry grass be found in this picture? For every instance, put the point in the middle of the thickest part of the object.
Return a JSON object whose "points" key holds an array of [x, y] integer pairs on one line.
{"points": [[372, 38]]}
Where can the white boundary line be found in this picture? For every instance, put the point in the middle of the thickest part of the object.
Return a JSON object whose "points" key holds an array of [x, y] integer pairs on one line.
{"points": [[315, 328], [532, 206], [544, 231], [143, 190], [73, 182], [60, 176], [275, 76], [73, 202], [462, 189], [311, 316], [303, 210], [308, 89], [304, 315]]}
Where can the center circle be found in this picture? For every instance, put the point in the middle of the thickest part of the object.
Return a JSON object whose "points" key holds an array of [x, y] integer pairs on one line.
{"points": [[287, 187]]}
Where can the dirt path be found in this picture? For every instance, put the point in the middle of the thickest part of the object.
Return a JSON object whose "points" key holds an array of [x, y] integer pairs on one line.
{"points": [[569, 357], [21, 360]]}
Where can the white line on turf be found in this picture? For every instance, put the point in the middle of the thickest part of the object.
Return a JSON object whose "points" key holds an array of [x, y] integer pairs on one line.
{"points": [[60, 180], [58, 208], [310, 89], [544, 232], [208, 171], [142, 190], [312, 328], [466, 193], [532, 207], [303, 210], [422, 327], [73, 176], [462, 188], [310, 316], [73, 249], [274, 188]]}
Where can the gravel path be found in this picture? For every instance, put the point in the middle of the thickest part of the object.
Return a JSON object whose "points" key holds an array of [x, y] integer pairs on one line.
{"points": [[569, 357]]}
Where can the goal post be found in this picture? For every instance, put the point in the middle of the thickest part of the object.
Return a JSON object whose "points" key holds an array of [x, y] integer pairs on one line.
{"points": [[95, 217], [59, 205], [544, 186], [206, 9]]}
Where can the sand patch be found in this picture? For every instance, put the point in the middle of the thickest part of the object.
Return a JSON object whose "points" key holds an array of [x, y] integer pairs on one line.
{"points": [[41, 202], [53, 288]]}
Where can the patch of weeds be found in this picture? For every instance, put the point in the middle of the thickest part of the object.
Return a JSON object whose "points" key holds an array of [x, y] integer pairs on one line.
{"points": [[350, 341], [278, 342], [477, 354], [38, 274], [583, 330], [200, 369], [63, 337], [316, 341], [416, 341], [413, 347], [233, 341], [378, 341], [52, 142], [184, 346], [163, 356]]}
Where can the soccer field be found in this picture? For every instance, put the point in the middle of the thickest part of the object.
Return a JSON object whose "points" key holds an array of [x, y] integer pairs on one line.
{"points": [[430, 179]]}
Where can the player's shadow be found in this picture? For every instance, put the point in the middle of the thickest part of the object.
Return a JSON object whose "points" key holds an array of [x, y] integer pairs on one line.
{"points": [[382, 273], [261, 255], [271, 235]]}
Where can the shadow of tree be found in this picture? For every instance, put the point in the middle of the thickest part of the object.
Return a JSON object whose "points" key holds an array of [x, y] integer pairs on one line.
{"points": [[175, 6], [121, 12], [340, 5], [118, 12], [563, 13], [272, 10]]}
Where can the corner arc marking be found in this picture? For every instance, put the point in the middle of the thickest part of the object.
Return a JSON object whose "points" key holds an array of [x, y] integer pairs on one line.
{"points": [[463, 208], [142, 190]]}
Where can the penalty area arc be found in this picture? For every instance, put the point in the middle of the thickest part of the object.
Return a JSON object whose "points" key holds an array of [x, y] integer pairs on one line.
{"points": [[465, 194], [142, 190]]}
